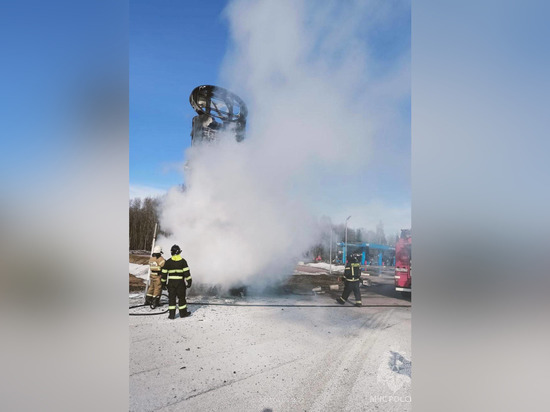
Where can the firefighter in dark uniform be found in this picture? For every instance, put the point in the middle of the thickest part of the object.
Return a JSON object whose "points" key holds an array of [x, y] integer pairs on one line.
{"points": [[352, 278], [178, 280]]}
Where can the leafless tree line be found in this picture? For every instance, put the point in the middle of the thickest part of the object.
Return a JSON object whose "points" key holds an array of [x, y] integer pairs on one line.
{"points": [[143, 216], [144, 213]]}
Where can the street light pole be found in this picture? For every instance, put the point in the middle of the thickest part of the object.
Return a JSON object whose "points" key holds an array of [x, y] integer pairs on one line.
{"points": [[330, 250], [346, 242]]}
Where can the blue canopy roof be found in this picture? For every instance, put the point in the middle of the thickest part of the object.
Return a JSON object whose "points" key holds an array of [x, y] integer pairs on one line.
{"points": [[369, 245]]}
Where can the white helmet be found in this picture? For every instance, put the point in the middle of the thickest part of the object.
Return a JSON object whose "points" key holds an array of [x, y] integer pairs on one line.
{"points": [[157, 249]]}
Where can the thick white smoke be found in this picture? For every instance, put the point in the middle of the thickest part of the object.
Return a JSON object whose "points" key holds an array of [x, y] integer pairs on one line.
{"points": [[236, 220], [248, 211]]}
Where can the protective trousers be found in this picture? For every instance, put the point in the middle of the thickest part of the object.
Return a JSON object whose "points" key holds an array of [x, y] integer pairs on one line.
{"points": [[176, 289], [155, 288], [352, 287]]}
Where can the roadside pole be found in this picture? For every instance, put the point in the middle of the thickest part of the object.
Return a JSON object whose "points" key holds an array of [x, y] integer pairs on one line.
{"points": [[149, 270], [330, 248]]}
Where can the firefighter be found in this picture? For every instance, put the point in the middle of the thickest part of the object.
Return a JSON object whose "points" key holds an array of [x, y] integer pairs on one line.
{"points": [[156, 262], [178, 280], [352, 277]]}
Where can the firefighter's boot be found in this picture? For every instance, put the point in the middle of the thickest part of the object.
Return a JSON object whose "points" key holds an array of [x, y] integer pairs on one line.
{"points": [[358, 304], [148, 299], [184, 313], [157, 301], [172, 314], [340, 301], [154, 303]]}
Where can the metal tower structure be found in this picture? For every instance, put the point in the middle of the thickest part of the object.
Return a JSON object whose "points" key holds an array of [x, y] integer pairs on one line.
{"points": [[218, 111]]}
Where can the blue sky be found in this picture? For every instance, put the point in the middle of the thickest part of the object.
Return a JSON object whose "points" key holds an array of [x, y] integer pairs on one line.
{"points": [[176, 46]]}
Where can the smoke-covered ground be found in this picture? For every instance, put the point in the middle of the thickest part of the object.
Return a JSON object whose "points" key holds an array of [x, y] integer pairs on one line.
{"points": [[251, 209]]}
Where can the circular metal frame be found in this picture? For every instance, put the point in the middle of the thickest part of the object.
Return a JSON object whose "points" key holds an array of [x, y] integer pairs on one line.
{"points": [[218, 103]]}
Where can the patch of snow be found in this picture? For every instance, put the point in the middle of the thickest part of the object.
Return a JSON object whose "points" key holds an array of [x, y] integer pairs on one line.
{"points": [[299, 272], [326, 266], [139, 271]]}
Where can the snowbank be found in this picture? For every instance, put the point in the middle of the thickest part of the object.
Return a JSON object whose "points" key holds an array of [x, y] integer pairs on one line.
{"points": [[326, 266], [139, 271]]}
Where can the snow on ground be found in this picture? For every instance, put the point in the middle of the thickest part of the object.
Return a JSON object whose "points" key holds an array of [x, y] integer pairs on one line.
{"points": [[257, 358], [317, 269], [327, 266], [139, 271]]}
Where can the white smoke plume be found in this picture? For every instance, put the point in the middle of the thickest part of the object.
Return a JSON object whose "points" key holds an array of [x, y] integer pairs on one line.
{"points": [[249, 210]]}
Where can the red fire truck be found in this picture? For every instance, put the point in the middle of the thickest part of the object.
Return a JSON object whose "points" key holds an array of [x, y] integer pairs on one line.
{"points": [[403, 263]]}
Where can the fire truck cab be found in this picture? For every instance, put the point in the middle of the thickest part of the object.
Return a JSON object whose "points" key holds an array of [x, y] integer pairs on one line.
{"points": [[403, 263]]}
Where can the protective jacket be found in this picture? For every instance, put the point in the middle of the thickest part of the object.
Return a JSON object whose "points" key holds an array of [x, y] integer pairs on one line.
{"points": [[176, 268], [352, 272], [156, 264]]}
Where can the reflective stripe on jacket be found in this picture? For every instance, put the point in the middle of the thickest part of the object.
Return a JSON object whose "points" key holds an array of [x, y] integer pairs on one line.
{"points": [[352, 272], [176, 268]]}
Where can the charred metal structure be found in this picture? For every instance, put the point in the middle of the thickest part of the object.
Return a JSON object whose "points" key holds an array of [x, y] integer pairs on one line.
{"points": [[218, 111]]}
